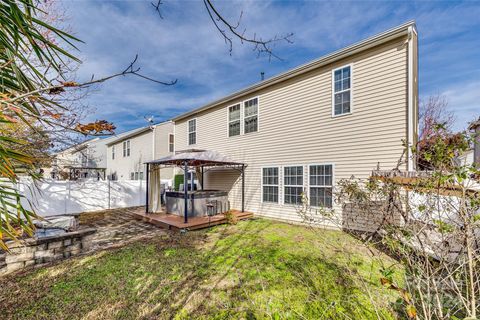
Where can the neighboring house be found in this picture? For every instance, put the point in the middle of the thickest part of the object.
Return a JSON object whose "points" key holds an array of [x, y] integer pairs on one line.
{"points": [[302, 131], [126, 156], [465, 159], [473, 155], [474, 127], [87, 159], [83, 160]]}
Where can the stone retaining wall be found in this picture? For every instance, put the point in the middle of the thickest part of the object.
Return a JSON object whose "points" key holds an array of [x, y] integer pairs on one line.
{"points": [[39, 251]]}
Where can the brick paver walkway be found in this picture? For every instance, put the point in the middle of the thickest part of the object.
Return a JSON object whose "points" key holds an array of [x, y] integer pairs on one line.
{"points": [[117, 227]]}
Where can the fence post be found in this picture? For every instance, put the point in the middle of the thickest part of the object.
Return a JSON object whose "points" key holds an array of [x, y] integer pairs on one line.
{"points": [[140, 194], [67, 196], [109, 193]]}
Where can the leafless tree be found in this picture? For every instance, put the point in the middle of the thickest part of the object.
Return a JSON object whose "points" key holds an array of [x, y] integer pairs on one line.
{"points": [[234, 30], [433, 111]]}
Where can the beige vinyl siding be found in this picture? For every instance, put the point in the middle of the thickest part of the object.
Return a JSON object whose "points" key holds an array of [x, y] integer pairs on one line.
{"points": [[162, 132], [296, 127]]}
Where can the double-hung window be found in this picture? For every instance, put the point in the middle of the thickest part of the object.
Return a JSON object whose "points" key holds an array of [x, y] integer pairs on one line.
{"points": [[171, 142], [342, 90], [192, 131], [234, 120], [321, 185], [250, 115], [293, 184], [126, 148], [132, 175], [270, 184], [113, 152]]}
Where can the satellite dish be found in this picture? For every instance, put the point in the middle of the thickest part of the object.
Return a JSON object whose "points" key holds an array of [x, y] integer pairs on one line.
{"points": [[149, 119]]}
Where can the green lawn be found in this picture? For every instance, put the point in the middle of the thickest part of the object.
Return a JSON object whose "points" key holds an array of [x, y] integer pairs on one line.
{"points": [[257, 269]]}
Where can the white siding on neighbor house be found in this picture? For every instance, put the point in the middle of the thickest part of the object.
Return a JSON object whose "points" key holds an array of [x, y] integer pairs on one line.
{"points": [[146, 146], [296, 127], [140, 151]]}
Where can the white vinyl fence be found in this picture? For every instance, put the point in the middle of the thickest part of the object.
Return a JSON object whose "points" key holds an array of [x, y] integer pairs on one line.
{"points": [[52, 197]]}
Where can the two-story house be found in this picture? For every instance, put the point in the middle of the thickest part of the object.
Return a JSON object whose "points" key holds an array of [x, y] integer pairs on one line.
{"points": [[85, 160], [302, 131], [126, 156]]}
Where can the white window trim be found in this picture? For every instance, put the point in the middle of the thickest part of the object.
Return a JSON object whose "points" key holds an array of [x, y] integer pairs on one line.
{"points": [[351, 91], [289, 185], [242, 117], [188, 132], [126, 148], [308, 183], [279, 185], [171, 135], [113, 152], [242, 108], [228, 119]]}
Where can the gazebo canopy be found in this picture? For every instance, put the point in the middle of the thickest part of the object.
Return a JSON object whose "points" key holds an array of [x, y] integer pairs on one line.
{"points": [[196, 158]]}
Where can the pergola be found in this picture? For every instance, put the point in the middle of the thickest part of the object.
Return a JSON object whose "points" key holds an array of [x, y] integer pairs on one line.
{"points": [[75, 172], [199, 159]]}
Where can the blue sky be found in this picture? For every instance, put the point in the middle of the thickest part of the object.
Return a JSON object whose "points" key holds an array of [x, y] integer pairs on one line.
{"points": [[184, 45]]}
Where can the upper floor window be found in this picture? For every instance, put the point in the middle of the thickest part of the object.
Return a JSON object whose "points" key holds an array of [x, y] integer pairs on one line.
{"points": [[234, 120], [251, 115], [321, 185], [293, 184], [192, 131], [126, 148], [270, 184], [342, 90], [113, 152], [171, 142]]}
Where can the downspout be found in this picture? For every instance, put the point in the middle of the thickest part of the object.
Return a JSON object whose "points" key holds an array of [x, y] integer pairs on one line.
{"points": [[411, 81], [153, 142]]}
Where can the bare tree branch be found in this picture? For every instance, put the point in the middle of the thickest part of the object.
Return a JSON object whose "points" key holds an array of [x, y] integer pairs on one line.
{"points": [[157, 7], [54, 89], [230, 30], [260, 45]]}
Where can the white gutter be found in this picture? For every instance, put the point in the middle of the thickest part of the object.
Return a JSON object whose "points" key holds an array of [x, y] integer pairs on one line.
{"points": [[325, 60]]}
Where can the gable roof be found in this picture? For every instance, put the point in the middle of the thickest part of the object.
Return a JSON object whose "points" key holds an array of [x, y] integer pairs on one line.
{"points": [[370, 42], [132, 133]]}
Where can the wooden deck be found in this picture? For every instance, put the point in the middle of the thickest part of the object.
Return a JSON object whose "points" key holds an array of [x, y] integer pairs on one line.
{"points": [[170, 221]]}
